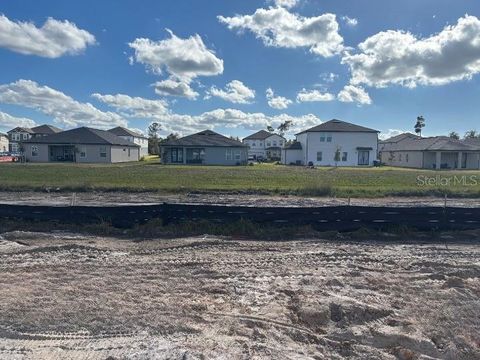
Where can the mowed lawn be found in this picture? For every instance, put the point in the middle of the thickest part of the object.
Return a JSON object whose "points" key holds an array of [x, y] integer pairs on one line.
{"points": [[262, 178]]}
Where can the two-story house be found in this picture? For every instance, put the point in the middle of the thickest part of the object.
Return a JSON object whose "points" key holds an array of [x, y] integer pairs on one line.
{"points": [[133, 137], [3, 143], [333, 143], [19, 134], [264, 145]]}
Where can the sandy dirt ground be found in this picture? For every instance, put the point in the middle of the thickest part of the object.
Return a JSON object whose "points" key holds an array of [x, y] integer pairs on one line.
{"points": [[66, 296], [122, 198]]}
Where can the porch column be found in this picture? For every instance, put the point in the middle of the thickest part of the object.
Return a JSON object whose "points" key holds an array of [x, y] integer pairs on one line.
{"points": [[438, 160], [459, 161]]}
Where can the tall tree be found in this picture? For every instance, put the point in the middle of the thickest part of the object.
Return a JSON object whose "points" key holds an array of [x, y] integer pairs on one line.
{"points": [[454, 135], [283, 128], [472, 134], [419, 125], [153, 138]]}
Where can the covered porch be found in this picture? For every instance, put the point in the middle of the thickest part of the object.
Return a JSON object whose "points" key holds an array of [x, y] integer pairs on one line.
{"points": [[61, 153], [451, 160]]}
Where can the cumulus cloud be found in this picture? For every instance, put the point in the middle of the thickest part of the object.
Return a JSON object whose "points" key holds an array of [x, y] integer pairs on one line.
{"points": [[277, 102], [285, 3], [278, 27], [232, 118], [62, 108], [391, 133], [134, 106], [8, 122], [401, 58], [350, 21], [183, 58], [314, 95], [54, 39], [235, 92], [175, 87], [351, 93]]}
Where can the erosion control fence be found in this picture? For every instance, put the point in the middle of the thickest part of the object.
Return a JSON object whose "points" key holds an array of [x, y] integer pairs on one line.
{"points": [[341, 218]]}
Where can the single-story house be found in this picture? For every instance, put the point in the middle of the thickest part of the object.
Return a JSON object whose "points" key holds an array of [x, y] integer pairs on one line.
{"points": [[204, 148], [437, 152], [4, 142], [81, 145], [333, 143], [132, 136], [264, 144]]}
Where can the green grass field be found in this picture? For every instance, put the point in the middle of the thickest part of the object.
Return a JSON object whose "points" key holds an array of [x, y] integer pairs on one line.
{"points": [[264, 178]]}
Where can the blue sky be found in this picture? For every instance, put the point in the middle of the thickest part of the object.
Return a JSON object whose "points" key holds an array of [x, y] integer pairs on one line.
{"points": [[410, 64]]}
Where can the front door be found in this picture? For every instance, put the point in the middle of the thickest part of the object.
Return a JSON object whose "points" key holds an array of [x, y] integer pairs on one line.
{"points": [[364, 157]]}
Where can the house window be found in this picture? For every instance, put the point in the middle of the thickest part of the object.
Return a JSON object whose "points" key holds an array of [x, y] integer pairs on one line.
{"points": [[400, 157], [103, 151], [281, 143], [253, 144], [269, 143], [344, 156], [128, 152], [319, 156], [322, 137], [406, 158], [25, 136], [83, 152], [329, 138], [16, 137], [195, 156], [229, 154], [34, 150], [237, 155], [274, 143], [176, 155]]}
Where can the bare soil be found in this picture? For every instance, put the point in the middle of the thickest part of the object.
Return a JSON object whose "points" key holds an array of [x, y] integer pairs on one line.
{"points": [[216, 198], [65, 296]]}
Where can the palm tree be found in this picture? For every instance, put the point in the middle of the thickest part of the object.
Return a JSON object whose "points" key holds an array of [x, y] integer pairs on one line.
{"points": [[283, 128], [472, 134], [454, 135], [419, 125]]}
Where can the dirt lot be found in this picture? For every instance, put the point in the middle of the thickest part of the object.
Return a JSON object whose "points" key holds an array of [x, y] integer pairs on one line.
{"points": [[218, 198], [77, 297]]}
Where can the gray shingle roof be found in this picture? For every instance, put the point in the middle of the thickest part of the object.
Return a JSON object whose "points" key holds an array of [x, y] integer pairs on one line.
{"points": [[296, 145], [21, 129], [436, 143], [400, 137], [259, 135], [473, 142], [82, 135], [205, 138], [121, 131], [46, 129], [338, 126]]}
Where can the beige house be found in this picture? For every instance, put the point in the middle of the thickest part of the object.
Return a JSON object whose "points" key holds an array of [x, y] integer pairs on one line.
{"points": [[82, 145], [4, 143], [265, 145], [439, 152]]}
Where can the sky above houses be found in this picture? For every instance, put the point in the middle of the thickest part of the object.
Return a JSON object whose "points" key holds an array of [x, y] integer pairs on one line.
{"points": [[239, 66]]}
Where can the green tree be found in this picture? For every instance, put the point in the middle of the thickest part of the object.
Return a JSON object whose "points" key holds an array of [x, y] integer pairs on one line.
{"points": [[154, 138], [283, 127], [454, 135], [472, 134], [338, 155], [419, 125]]}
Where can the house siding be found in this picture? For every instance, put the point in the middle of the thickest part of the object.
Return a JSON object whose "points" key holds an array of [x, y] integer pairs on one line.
{"points": [[409, 159], [258, 147], [213, 155], [121, 154]]}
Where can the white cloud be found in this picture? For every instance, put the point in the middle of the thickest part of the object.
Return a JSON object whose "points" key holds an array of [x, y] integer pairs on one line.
{"points": [[8, 122], [54, 39], [231, 118], [278, 27], [391, 133], [329, 77], [285, 3], [351, 93], [350, 21], [62, 108], [175, 87], [235, 92], [314, 95], [183, 58], [397, 57], [277, 102], [134, 106]]}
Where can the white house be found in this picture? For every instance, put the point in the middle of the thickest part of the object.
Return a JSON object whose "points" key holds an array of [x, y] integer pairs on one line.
{"points": [[264, 144], [3, 142], [333, 143], [133, 137]]}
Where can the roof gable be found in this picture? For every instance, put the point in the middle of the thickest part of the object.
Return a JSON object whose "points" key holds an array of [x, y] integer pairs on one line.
{"points": [[339, 126], [20, 129], [204, 138], [121, 131], [46, 129], [82, 135], [261, 135]]}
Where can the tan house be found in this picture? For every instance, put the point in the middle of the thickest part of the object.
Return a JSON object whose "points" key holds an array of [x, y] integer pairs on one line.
{"points": [[4, 143], [82, 145], [438, 152]]}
